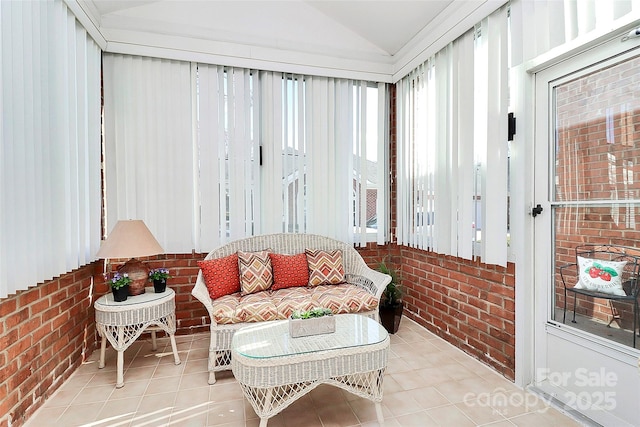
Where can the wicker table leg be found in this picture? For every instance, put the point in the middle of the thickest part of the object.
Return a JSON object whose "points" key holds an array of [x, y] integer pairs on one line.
{"points": [[154, 342], [103, 348], [379, 413], [174, 347], [267, 408], [120, 363]]}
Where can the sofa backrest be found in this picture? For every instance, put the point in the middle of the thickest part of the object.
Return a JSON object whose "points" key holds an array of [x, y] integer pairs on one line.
{"points": [[293, 243]]}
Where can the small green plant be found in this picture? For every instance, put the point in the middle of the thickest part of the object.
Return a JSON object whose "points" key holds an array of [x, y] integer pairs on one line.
{"points": [[309, 314], [119, 280], [392, 295], [158, 274]]}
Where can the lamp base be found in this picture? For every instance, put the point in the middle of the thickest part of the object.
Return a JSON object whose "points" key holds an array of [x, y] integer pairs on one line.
{"points": [[138, 273]]}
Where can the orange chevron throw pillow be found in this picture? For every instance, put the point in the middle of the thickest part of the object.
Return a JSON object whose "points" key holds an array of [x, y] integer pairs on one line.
{"points": [[325, 267], [289, 270], [255, 271], [221, 275]]}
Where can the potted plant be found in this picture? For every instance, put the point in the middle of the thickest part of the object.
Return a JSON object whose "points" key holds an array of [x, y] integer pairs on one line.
{"points": [[159, 278], [311, 322], [390, 308], [120, 286]]}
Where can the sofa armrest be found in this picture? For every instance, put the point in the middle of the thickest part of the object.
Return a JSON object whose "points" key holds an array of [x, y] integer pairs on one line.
{"points": [[371, 280], [201, 293]]}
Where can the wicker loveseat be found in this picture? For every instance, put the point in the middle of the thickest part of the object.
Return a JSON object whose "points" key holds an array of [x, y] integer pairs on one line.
{"points": [[360, 293]]}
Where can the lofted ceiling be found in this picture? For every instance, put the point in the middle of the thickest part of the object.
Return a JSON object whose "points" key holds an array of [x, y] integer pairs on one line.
{"points": [[361, 35]]}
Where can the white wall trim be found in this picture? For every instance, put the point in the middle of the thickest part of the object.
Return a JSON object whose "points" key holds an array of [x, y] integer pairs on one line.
{"points": [[235, 55], [87, 21], [522, 224], [454, 21], [441, 32]]}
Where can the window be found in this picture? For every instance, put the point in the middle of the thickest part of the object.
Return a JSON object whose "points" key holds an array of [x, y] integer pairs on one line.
{"points": [[50, 144], [367, 182], [289, 159], [452, 147]]}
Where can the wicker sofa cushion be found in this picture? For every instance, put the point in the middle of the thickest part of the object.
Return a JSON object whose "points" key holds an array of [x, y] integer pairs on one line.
{"points": [[344, 298], [224, 309], [278, 305], [258, 307]]}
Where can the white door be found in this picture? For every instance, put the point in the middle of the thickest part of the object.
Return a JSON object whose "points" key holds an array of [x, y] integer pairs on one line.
{"points": [[587, 181]]}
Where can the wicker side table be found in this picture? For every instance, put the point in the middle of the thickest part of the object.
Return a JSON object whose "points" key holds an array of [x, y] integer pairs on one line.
{"points": [[123, 322], [274, 370]]}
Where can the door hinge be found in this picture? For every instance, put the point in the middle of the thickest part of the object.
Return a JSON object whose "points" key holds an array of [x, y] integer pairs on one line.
{"points": [[511, 125]]}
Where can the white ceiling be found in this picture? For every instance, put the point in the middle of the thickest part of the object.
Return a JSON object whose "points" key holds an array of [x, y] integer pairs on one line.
{"points": [[369, 36]]}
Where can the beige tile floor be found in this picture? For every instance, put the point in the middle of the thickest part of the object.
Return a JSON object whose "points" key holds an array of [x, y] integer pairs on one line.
{"points": [[428, 383]]}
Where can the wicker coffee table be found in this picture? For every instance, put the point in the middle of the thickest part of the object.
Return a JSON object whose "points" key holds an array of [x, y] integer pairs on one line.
{"points": [[274, 370]]}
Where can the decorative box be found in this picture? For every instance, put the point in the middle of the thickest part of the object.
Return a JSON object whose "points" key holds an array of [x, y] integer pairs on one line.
{"points": [[313, 326]]}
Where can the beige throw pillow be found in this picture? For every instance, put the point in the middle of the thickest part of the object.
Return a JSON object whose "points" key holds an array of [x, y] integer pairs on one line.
{"points": [[325, 267], [255, 271]]}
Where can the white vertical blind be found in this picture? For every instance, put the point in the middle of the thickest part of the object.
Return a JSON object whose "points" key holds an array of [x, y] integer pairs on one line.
{"points": [[552, 23], [278, 155], [443, 186], [211, 156], [359, 160], [229, 161], [149, 147], [269, 152], [463, 127], [452, 113], [315, 172], [49, 144], [494, 103], [384, 165], [345, 105]]}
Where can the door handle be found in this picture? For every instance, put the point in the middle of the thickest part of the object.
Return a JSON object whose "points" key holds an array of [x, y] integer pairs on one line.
{"points": [[536, 211]]}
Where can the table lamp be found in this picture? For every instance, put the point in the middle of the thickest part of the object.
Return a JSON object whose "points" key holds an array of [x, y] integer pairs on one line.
{"points": [[131, 239]]}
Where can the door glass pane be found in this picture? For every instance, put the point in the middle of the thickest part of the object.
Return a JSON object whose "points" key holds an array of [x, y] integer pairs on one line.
{"points": [[597, 133], [585, 224], [596, 189]]}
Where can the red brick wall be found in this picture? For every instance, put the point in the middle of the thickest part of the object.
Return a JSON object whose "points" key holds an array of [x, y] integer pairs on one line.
{"points": [[191, 316], [467, 303], [46, 332]]}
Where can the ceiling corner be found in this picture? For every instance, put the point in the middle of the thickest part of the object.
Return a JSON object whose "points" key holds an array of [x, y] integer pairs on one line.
{"points": [[88, 15]]}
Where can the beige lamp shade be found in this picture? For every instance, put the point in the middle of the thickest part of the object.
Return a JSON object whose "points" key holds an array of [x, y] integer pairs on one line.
{"points": [[129, 239]]}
